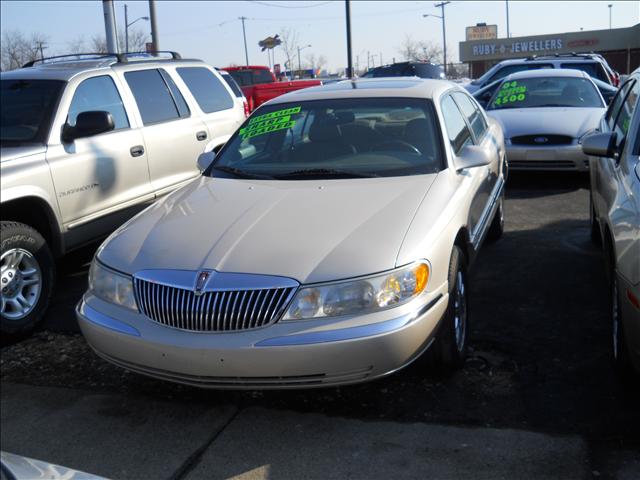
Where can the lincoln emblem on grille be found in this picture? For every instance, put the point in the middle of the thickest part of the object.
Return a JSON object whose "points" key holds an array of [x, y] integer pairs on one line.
{"points": [[202, 279], [541, 139]]}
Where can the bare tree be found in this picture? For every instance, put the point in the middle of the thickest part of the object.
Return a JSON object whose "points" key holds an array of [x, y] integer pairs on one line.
{"points": [[290, 42], [315, 63], [420, 51], [137, 42], [17, 49]]}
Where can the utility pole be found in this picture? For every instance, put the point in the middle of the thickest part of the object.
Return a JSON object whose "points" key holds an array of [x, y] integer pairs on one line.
{"points": [[126, 30], [380, 58], [368, 59], [110, 26], [41, 50], [244, 35], [154, 26], [610, 5], [507, 3], [347, 5], [444, 32]]}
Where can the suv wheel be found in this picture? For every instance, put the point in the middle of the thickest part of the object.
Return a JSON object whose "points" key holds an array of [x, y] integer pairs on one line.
{"points": [[449, 349], [26, 277]]}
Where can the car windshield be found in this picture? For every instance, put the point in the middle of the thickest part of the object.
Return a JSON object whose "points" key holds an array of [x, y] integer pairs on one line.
{"points": [[26, 108], [343, 138], [546, 92], [245, 78]]}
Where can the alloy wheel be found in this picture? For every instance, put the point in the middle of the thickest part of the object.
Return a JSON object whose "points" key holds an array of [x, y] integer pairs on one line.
{"points": [[21, 283]]}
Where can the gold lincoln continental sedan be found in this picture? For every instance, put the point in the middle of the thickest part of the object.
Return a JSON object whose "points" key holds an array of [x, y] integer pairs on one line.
{"points": [[327, 243]]}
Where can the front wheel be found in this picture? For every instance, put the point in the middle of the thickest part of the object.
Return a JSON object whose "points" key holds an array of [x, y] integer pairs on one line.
{"points": [[449, 349], [27, 273]]}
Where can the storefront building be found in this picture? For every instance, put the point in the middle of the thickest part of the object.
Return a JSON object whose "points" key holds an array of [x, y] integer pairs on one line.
{"points": [[619, 46]]}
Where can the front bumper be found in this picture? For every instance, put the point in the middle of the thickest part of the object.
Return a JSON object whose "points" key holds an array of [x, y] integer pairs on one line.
{"points": [[303, 354], [553, 157]]}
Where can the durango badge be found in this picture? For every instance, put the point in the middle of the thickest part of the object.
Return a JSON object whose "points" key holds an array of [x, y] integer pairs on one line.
{"points": [[200, 282]]}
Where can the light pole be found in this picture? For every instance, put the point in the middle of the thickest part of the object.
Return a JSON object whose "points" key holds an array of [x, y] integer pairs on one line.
{"points": [[244, 35], [347, 7], [126, 27], [299, 64], [444, 32], [610, 5], [507, 2]]}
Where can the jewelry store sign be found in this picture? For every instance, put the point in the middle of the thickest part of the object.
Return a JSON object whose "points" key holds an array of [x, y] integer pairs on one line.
{"points": [[481, 32], [533, 46]]}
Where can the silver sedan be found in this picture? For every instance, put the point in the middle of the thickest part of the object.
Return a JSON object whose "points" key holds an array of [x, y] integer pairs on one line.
{"points": [[545, 114], [327, 243]]}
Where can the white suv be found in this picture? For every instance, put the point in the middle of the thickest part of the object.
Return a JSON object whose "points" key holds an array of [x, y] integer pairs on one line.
{"points": [[85, 144]]}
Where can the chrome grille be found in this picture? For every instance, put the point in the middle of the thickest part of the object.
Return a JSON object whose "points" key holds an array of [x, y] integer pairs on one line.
{"points": [[216, 311], [542, 140]]}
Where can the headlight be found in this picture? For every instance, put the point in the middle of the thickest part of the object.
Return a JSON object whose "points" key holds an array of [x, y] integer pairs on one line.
{"points": [[364, 295], [111, 286]]}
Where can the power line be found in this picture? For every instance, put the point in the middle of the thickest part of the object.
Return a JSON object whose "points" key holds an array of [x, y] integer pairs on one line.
{"points": [[287, 6]]}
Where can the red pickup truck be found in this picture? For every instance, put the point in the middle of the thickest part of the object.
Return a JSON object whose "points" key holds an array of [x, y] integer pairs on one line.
{"points": [[259, 84]]}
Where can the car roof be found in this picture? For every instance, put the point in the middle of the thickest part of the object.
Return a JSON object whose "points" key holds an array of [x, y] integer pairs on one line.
{"points": [[408, 87], [547, 72], [66, 70]]}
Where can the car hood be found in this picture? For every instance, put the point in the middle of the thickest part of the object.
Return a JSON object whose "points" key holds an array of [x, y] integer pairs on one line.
{"points": [[548, 120], [12, 153], [311, 231]]}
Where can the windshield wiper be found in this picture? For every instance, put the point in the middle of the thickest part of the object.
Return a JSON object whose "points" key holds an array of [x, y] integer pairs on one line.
{"points": [[325, 172], [239, 173]]}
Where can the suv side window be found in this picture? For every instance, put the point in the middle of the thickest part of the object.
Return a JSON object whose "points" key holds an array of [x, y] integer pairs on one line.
{"points": [[457, 129], [183, 109], [209, 92], [155, 101], [98, 93], [472, 112], [615, 106]]}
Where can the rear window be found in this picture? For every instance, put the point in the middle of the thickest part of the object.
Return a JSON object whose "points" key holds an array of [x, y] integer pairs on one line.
{"points": [[26, 110], [245, 78], [593, 69], [209, 92], [342, 138], [509, 69], [232, 85]]}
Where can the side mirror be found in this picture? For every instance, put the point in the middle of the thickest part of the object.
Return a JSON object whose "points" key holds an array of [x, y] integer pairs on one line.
{"points": [[600, 145], [205, 159], [88, 124], [472, 156]]}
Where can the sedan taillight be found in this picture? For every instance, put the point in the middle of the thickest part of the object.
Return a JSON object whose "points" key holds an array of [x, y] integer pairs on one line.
{"points": [[245, 104]]}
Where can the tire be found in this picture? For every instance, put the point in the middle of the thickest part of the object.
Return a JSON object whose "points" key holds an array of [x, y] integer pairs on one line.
{"points": [[594, 233], [26, 278], [449, 349], [496, 229]]}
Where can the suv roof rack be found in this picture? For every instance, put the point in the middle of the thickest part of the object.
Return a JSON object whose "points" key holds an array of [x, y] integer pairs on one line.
{"points": [[119, 57], [584, 56]]}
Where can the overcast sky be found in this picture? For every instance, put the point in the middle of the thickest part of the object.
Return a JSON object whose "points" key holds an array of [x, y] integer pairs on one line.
{"points": [[211, 30]]}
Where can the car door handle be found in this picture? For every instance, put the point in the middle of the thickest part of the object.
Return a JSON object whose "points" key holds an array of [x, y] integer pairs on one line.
{"points": [[136, 151], [201, 136]]}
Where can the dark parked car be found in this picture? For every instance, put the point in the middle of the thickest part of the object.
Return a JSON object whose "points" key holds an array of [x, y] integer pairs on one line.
{"points": [[407, 69]]}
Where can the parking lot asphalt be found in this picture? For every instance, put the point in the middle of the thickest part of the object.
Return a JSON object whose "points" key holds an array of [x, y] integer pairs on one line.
{"points": [[539, 369]]}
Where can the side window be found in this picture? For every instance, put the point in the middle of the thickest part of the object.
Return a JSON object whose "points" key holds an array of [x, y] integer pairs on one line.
{"points": [[621, 126], [98, 93], [183, 109], [209, 92], [457, 130], [614, 108], [472, 112], [152, 95]]}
